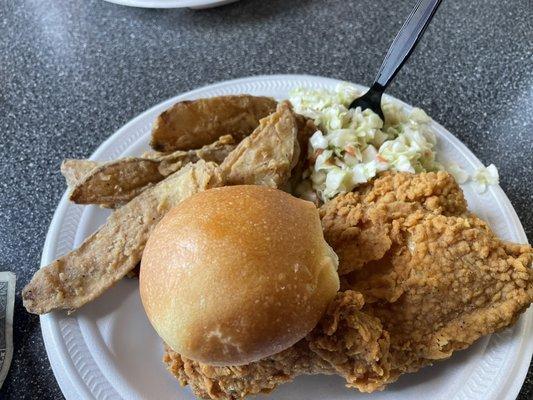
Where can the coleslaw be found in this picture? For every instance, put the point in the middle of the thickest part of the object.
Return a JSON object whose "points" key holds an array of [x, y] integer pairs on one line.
{"points": [[352, 145]]}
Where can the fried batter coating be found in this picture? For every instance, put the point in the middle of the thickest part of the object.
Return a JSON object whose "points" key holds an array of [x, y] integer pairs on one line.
{"points": [[353, 343], [454, 281], [361, 226], [437, 192], [232, 383], [346, 342]]}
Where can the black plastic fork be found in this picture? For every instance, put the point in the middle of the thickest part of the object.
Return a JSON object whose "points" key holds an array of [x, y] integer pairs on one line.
{"points": [[401, 48]]}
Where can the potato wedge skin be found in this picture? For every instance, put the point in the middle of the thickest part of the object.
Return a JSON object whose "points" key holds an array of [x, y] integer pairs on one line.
{"points": [[268, 155], [116, 248], [113, 184], [75, 170], [192, 124]]}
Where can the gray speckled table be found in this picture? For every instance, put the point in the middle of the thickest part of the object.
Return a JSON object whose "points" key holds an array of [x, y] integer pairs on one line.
{"points": [[72, 72]]}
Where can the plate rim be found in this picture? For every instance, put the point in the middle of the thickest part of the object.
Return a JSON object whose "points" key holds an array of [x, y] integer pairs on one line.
{"points": [[54, 341], [167, 4]]}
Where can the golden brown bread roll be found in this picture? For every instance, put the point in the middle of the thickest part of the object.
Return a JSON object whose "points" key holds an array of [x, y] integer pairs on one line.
{"points": [[236, 274]]}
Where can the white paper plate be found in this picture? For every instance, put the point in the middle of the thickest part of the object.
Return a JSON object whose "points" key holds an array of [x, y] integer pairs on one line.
{"points": [[197, 4], [107, 350]]}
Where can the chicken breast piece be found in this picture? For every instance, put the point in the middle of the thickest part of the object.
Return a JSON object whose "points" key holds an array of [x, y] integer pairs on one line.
{"points": [[361, 225], [346, 341], [353, 343], [114, 183], [116, 248], [193, 124], [232, 383], [268, 155], [435, 276], [452, 281]]}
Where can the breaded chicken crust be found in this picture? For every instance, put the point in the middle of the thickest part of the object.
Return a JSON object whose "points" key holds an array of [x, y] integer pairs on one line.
{"points": [[451, 281], [361, 226], [438, 278], [353, 343]]}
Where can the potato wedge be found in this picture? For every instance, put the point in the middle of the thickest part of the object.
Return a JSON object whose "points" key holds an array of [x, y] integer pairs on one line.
{"points": [[117, 182], [74, 170], [116, 248], [268, 155], [192, 124]]}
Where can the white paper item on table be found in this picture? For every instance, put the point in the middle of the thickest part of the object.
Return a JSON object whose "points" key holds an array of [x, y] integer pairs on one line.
{"points": [[7, 303]]}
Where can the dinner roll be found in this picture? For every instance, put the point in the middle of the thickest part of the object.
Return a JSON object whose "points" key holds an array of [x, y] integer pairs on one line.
{"points": [[235, 274]]}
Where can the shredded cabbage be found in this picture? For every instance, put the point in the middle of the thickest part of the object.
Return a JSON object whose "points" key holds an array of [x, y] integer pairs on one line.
{"points": [[484, 177], [459, 174], [353, 145]]}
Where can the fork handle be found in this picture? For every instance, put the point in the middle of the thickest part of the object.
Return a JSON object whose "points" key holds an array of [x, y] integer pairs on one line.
{"points": [[405, 41]]}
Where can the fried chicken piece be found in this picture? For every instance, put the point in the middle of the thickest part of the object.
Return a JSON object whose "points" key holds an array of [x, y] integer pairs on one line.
{"points": [[448, 282], [237, 382], [435, 276], [346, 341], [116, 248], [353, 343], [361, 226]]}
